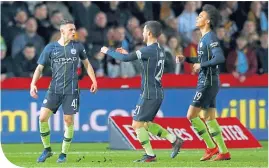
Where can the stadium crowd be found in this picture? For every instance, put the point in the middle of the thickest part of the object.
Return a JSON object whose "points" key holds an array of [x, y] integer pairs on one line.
{"points": [[26, 27]]}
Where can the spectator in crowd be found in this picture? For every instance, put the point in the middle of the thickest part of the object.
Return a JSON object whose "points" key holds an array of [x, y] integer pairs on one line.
{"points": [[7, 63], [9, 10], [253, 40], [169, 63], [57, 5], [115, 15], [242, 61], [82, 35], [262, 54], [191, 50], [229, 25], [26, 61], [18, 27], [166, 12], [238, 13], [30, 36], [97, 37], [224, 44], [137, 36], [171, 27], [186, 22], [41, 15], [132, 24], [142, 10], [174, 43], [53, 32], [248, 29], [84, 14], [258, 16], [98, 62]]}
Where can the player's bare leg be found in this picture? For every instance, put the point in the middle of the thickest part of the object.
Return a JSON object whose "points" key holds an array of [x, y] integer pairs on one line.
{"points": [[158, 130], [215, 132], [68, 135], [45, 114], [200, 127], [143, 137]]}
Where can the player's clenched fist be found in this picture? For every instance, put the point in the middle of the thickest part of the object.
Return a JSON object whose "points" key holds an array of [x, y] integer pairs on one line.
{"points": [[104, 50], [94, 87], [196, 67], [180, 58], [33, 91], [121, 50]]}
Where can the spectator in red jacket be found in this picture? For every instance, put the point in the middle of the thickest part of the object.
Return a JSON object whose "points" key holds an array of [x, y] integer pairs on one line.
{"points": [[191, 50], [242, 61]]}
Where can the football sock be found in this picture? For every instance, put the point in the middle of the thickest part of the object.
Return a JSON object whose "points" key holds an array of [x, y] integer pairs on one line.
{"points": [[201, 129], [215, 131], [143, 137], [68, 135], [45, 133], [158, 130]]}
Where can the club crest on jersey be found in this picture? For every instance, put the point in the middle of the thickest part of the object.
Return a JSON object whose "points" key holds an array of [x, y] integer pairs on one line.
{"points": [[73, 51], [201, 44]]}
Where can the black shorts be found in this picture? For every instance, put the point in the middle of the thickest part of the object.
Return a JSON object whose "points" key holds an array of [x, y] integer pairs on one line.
{"points": [[69, 102], [205, 96], [146, 109]]}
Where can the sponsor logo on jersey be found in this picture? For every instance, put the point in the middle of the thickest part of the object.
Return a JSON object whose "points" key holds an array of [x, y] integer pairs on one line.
{"points": [[65, 60]]}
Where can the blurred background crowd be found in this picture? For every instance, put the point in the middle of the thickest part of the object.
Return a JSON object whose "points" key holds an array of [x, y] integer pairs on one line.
{"points": [[26, 28]]}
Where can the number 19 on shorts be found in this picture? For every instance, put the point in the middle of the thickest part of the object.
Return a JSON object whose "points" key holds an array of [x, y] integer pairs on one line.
{"points": [[197, 96]]}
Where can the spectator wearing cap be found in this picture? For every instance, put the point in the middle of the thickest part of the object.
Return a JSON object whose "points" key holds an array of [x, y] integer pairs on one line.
{"points": [[242, 61], [7, 63], [30, 36]]}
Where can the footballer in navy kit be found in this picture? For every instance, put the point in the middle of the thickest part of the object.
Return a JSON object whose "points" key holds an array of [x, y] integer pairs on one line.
{"points": [[63, 57], [151, 59], [210, 55]]}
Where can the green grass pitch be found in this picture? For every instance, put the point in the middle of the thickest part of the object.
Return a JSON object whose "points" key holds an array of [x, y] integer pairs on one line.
{"points": [[97, 155]]}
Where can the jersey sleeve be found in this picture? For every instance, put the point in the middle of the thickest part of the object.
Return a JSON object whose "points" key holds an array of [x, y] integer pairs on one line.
{"points": [[143, 53], [82, 52], [217, 53], [44, 56]]}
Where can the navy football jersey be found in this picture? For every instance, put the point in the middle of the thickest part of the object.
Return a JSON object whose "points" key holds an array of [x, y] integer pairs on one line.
{"points": [[151, 59], [63, 61], [208, 48]]}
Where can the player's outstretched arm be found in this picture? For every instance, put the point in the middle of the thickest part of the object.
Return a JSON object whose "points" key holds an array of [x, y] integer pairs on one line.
{"points": [[122, 57], [182, 58], [217, 58], [91, 74], [36, 76]]}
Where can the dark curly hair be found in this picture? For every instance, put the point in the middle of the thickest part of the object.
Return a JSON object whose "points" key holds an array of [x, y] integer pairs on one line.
{"points": [[213, 15]]}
